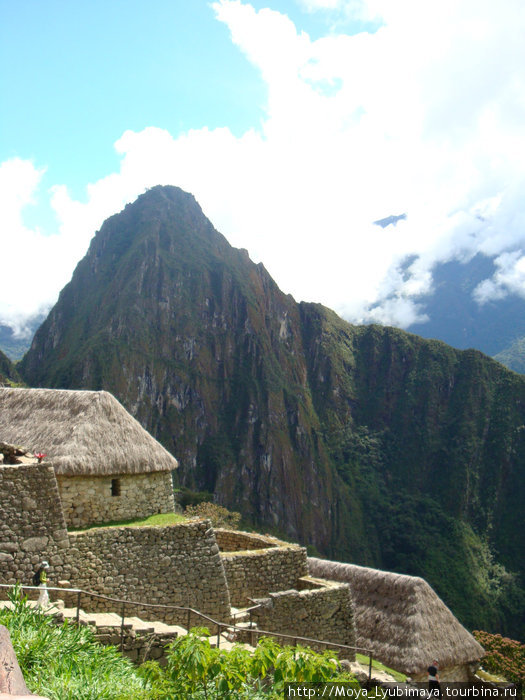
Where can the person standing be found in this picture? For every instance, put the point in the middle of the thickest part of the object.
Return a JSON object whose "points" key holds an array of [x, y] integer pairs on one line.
{"points": [[434, 686], [40, 580]]}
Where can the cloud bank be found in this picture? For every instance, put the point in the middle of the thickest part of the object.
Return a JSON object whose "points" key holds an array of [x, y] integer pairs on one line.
{"points": [[425, 116]]}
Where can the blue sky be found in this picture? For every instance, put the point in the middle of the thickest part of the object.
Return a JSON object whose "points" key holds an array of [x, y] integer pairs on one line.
{"points": [[80, 74], [295, 123]]}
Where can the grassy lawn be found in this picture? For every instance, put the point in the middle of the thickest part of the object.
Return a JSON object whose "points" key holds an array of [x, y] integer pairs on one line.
{"points": [[381, 667], [159, 520]]}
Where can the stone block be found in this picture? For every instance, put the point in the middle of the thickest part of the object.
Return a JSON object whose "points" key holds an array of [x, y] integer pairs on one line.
{"points": [[35, 544], [8, 546]]}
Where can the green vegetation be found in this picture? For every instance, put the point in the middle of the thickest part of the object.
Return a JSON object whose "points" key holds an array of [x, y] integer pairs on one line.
{"points": [[158, 520], [64, 662], [186, 497], [513, 356], [196, 670], [8, 373], [365, 660], [505, 657], [218, 515]]}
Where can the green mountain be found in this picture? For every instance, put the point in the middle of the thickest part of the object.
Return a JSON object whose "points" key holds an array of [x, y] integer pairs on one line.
{"points": [[8, 373], [367, 443], [513, 356]]}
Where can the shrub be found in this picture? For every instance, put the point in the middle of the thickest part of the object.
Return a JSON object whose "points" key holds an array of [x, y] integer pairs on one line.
{"points": [[196, 669], [505, 657], [185, 497], [218, 515]]}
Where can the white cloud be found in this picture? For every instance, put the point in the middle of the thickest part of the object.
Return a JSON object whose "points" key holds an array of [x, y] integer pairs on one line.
{"points": [[509, 278], [26, 284], [424, 116], [314, 5]]}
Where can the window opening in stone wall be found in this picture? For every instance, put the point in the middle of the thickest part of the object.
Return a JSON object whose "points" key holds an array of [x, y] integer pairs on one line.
{"points": [[115, 487]]}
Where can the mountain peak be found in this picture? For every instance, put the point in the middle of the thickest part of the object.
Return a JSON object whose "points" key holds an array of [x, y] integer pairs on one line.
{"points": [[370, 444]]}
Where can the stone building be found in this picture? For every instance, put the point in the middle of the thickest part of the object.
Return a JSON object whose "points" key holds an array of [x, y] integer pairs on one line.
{"points": [[187, 564], [108, 468]]}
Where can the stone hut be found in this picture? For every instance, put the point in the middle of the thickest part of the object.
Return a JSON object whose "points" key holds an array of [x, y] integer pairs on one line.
{"points": [[108, 468], [404, 621]]}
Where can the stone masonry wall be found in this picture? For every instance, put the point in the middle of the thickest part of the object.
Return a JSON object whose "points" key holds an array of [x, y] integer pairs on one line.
{"points": [[137, 646], [87, 500], [237, 541], [32, 526], [323, 612], [175, 565], [253, 573]]}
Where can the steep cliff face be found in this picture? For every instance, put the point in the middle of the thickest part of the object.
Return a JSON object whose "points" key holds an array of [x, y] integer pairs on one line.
{"points": [[200, 344], [8, 373], [371, 444]]}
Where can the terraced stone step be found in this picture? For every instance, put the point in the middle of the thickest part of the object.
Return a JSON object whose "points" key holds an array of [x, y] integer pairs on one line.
{"points": [[165, 629], [239, 615], [139, 625], [106, 621]]}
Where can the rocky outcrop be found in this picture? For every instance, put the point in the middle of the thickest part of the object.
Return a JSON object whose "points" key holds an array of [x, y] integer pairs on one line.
{"points": [[12, 682]]}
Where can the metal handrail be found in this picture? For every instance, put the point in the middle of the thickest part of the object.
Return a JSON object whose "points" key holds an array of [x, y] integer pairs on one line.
{"points": [[220, 625]]}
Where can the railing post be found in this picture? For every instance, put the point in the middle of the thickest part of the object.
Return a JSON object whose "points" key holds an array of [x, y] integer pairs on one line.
{"points": [[218, 636], [123, 614], [189, 619], [78, 608]]}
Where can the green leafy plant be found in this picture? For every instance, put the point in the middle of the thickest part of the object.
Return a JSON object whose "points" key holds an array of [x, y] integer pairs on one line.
{"points": [[196, 669], [64, 662]]}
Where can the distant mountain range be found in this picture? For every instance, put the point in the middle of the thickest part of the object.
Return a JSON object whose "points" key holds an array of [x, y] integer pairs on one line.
{"points": [[497, 328], [15, 346], [367, 443]]}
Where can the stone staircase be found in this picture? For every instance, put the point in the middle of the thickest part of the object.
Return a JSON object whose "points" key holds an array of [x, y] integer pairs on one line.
{"points": [[141, 640]]}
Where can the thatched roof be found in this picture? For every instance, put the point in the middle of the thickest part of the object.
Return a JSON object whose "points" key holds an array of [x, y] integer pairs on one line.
{"points": [[401, 618], [81, 432]]}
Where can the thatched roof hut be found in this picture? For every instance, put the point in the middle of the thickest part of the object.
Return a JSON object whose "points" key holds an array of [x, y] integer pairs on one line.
{"points": [[401, 618], [82, 432]]}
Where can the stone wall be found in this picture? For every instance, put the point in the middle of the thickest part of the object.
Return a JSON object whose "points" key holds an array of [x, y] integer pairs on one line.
{"points": [[321, 611], [237, 541], [87, 500], [176, 565], [137, 646], [257, 572], [32, 526]]}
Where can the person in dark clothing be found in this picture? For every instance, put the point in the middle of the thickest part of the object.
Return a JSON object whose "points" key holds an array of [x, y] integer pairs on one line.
{"points": [[434, 687]]}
